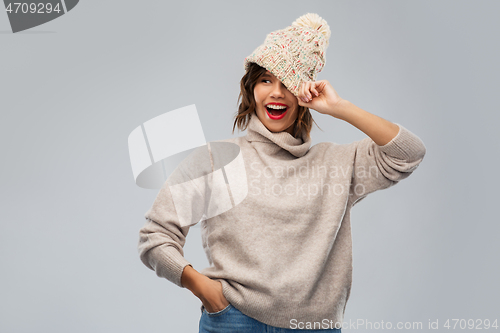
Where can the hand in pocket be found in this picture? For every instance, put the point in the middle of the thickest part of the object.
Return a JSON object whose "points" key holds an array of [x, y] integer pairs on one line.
{"points": [[212, 297]]}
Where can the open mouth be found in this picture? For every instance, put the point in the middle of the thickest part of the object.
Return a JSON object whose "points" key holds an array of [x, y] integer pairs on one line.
{"points": [[276, 111]]}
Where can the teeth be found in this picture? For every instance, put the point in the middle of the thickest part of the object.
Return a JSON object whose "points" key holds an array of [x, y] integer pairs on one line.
{"points": [[276, 107]]}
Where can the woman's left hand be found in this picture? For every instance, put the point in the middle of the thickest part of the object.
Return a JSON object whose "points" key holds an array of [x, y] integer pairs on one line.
{"points": [[320, 96]]}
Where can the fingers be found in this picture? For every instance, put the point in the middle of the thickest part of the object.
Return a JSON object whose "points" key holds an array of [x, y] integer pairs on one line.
{"points": [[300, 94], [309, 89], [304, 94], [313, 89]]}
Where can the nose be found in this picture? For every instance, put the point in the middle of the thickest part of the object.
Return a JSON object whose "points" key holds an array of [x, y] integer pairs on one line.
{"points": [[277, 91]]}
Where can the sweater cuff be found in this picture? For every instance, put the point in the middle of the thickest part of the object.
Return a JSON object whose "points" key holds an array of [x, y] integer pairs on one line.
{"points": [[173, 262], [405, 146]]}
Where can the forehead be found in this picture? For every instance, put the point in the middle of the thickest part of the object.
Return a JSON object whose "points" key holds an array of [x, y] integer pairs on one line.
{"points": [[267, 73]]}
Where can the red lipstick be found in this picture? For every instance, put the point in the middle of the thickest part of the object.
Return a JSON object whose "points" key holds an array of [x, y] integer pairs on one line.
{"points": [[276, 117]]}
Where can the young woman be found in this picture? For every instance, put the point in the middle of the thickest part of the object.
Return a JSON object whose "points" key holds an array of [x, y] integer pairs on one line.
{"points": [[281, 259]]}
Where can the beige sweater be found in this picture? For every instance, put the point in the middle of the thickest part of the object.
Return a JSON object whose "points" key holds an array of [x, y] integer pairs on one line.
{"points": [[284, 252]]}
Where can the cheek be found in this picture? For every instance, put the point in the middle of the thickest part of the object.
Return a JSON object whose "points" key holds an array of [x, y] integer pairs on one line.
{"points": [[291, 97], [295, 114], [257, 95]]}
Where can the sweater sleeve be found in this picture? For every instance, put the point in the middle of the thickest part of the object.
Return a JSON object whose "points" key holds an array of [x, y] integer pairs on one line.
{"points": [[379, 167], [162, 238], [178, 205]]}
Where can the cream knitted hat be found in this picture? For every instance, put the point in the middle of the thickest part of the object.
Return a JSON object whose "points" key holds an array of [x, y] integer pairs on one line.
{"points": [[296, 53]]}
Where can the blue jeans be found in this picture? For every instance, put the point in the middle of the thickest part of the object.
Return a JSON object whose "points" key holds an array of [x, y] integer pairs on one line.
{"points": [[231, 320]]}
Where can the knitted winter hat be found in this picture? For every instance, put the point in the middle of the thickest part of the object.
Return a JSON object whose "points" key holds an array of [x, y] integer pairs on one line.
{"points": [[296, 53]]}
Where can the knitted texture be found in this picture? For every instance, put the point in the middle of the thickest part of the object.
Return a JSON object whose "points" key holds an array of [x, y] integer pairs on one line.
{"points": [[285, 251], [296, 53]]}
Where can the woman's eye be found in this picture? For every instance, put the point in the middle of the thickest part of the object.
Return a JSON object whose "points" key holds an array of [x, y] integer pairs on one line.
{"points": [[264, 80]]}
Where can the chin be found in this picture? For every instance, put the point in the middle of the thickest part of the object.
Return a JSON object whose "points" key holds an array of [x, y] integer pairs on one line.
{"points": [[275, 131]]}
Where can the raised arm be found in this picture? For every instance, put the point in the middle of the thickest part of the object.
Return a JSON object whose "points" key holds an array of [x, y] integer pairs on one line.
{"points": [[321, 97], [380, 130], [389, 154]]}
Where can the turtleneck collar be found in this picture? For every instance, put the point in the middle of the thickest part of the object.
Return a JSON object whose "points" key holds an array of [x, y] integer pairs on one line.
{"points": [[257, 131]]}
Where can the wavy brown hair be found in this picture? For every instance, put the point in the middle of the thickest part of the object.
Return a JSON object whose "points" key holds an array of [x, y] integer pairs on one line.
{"points": [[247, 106]]}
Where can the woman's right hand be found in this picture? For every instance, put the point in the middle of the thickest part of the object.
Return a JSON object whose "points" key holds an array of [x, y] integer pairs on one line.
{"points": [[207, 290], [212, 297]]}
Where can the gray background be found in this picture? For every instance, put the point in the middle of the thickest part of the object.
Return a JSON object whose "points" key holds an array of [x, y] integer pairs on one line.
{"points": [[73, 89]]}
